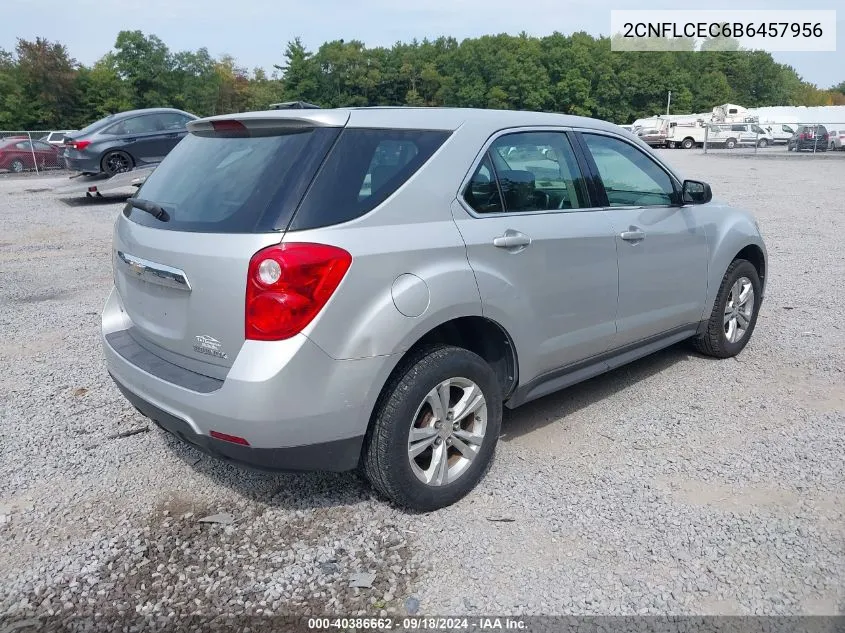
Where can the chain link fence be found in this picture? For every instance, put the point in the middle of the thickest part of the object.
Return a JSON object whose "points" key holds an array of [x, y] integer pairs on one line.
{"points": [[33, 151]]}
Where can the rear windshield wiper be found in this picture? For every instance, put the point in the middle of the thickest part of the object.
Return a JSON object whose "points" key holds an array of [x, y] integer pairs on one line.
{"points": [[152, 208]]}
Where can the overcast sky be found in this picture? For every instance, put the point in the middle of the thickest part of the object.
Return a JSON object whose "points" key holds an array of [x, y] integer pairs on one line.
{"points": [[255, 31]]}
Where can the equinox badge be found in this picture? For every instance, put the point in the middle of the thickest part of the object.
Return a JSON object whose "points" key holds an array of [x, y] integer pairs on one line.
{"points": [[210, 346]]}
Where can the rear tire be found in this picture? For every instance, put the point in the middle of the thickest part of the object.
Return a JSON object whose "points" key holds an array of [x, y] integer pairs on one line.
{"points": [[763, 143], [116, 162], [413, 400], [722, 338], [730, 143], [688, 143], [16, 166]]}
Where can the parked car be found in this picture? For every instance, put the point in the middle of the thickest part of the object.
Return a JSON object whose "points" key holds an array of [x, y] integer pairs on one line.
{"points": [[19, 154], [120, 142], [318, 290], [809, 137], [56, 138], [837, 139], [732, 134], [652, 136], [781, 133]]}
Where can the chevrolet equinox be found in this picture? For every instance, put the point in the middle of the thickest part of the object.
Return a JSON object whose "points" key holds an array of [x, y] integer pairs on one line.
{"points": [[369, 287]]}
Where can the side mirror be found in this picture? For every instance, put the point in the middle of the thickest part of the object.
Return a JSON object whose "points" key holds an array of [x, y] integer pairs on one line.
{"points": [[696, 192]]}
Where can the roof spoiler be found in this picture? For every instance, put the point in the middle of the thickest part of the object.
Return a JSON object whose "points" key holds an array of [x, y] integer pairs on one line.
{"points": [[269, 123]]}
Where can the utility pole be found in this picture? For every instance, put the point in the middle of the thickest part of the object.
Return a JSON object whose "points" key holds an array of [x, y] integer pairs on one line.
{"points": [[668, 101]]}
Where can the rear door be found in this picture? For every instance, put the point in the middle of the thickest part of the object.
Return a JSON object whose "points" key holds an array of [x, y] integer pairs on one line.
{"points": [[544, 259], [663, 252], [174, 127], [182, 282], [141, 137]]}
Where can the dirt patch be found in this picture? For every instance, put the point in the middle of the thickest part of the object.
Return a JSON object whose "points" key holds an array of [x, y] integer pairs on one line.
{"points": [[713, 494]]}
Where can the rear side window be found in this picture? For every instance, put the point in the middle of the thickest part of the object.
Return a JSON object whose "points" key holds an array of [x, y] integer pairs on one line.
{"points": [[364, 168], [234, 184]]}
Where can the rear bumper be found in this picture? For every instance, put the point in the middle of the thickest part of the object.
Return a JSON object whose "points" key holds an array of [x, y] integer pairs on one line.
{"points": [[338, 455], [298, 408], [77, 161]]}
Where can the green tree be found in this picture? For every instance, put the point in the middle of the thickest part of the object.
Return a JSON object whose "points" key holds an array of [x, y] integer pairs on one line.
{"points": [[47, 77], [144, 62], [300, 73]]}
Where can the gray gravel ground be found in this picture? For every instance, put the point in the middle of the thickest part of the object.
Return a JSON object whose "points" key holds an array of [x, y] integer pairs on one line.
{"points": [[677, 485]]}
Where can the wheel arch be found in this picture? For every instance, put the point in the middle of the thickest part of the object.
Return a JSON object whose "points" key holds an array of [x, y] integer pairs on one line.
{"points": [[737, 239], [478, 334]]}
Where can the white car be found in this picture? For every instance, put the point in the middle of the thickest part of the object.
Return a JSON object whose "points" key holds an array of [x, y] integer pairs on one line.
{"points": [[57, 137], [837, 139]]}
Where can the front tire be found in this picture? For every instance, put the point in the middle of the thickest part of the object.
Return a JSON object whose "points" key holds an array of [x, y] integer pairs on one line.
{"points": [[734, 313], [435, 429], [763, 143], [688, 143], [730, 143]]}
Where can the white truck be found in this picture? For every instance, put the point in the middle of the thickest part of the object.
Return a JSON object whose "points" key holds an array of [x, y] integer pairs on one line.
{"points": [[686, 135]]}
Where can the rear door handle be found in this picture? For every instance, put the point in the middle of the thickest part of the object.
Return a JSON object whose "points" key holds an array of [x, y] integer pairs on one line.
{"points": [[130, 140], [512, 239], [632, 235]]}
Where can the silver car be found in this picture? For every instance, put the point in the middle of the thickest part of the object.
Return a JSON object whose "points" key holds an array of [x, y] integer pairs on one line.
{"points": [[325, 289]]}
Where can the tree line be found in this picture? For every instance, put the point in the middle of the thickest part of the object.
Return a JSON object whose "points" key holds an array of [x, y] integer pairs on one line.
{"points": [[43, 87]]}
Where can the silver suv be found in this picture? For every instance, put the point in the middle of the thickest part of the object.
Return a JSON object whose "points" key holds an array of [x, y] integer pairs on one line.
{"points": [[324, 289]]}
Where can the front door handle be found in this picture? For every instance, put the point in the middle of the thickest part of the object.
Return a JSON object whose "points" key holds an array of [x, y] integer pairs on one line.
{"points": [[512, 239], [129, 140], [632, 235]]}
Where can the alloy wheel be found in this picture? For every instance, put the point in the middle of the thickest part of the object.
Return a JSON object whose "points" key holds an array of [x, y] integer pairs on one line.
{"points": [[739, 309], [447, 431]]}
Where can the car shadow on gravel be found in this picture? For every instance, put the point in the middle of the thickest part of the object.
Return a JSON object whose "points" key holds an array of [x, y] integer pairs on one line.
{"points": [[289, 490], [553, 408]]}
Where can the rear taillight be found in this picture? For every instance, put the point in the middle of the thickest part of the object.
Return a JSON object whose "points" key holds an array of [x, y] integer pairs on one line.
{"points": [[287, 286], [79, 144]]}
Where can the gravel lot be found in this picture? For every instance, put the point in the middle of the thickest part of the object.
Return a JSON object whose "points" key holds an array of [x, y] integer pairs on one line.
{"points": [[676, 485]]}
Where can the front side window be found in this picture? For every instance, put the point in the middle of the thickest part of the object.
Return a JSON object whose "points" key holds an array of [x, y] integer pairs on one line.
{"points": [[527, 171], [135, 125], [173, 121], [630, 177], [787, 129]]}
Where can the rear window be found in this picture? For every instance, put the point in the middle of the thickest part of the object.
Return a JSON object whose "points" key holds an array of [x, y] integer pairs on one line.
{"points": [[96, 125], [256, 184], [365, 168], [226, 184]]}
